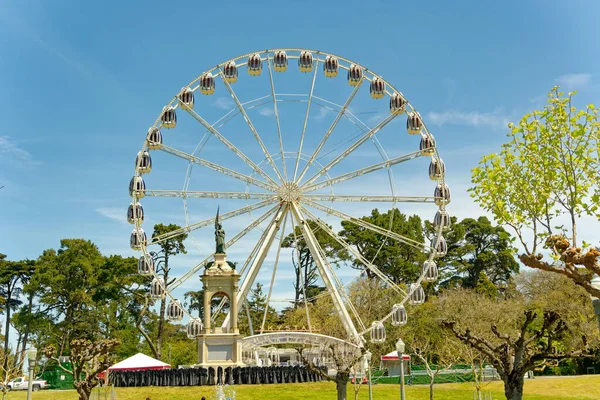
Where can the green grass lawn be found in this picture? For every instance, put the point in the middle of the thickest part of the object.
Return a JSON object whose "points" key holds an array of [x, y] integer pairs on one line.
{"points": [[560, 388]]}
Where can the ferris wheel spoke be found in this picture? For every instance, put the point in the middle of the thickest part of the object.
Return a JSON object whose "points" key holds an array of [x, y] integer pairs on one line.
{"points": [[354, 252], [340, 287], [310, 98], [277, 118], [261, 254], [320, 262], [331, 270], [353, 147], [210, 195], [241, 272], [244, 267], [229, 243], [229, 145], [217, 167], [362, 171], [264, 319], [329, 131], [251, 126], [207, 222], [370, 226], [368, 199], [302, 280]]}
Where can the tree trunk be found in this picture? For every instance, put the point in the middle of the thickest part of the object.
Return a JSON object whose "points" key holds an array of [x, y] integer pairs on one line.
{"points": [[6, 331], [298, 287], [26, 333], [431, 387], [341, 383], [513, 385], [161, 324], [83, 390], [161, 316]]}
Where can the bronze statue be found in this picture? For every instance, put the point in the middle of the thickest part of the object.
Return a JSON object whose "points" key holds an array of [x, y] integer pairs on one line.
{"points": [[219, 236]]}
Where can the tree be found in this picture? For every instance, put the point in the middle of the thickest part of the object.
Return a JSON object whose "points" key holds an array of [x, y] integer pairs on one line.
{"points": [[13, 369], [346, 359], [88, 359], [194, 301], [169, 246], [26, 321], [400, 262], [305, 268], [543, 182], [519, 333], [486, 287], [425, 338], [13, 274], [261, 316], [476, 247], [84, 308], [117, 299], [68, 282]]}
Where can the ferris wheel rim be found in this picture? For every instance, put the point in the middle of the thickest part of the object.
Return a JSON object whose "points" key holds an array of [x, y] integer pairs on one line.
{"points": [[368, 76]]}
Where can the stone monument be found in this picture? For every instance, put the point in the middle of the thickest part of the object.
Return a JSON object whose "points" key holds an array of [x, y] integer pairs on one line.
{"points": [[220, 346]]}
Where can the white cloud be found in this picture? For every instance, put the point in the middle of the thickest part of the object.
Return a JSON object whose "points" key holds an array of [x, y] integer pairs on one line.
{"points": [[224, 103], [266, 111], [116, 214], [573, 81], [473, 118], [323, 112], [14, 154]]}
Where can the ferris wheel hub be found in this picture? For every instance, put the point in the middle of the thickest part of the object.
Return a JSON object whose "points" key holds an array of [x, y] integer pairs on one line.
{"points": [[289, 192]]}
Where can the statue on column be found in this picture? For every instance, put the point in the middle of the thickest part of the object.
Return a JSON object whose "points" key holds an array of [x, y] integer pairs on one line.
{"points": [[219, 235]]}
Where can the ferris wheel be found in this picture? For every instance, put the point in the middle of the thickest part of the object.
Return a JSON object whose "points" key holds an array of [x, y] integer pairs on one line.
{"points": [[284, 152]]}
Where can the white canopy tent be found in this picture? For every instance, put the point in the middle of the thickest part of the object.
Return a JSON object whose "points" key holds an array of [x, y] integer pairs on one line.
{"points": [[391, 362], [139, 362]]}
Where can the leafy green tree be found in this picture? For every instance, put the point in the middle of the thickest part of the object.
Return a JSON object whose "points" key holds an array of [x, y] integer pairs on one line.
{"points": [[306, 273], [476, 247], [257, 304], [117, 299], [486, 287], [398, 261], [182, 351], [27, 320], [68, 281], [87, 307], [178, 348], [194, 301], [13, 274], [169, 247], [71, 287], [543, 182]]}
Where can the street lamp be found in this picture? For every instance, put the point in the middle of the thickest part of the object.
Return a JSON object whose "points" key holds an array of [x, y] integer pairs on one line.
{"points": [[596, 301], [31, 358], [368, 357], [400, 346]]}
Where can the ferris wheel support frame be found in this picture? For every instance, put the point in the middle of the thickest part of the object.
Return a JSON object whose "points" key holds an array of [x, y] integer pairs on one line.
{"points": [[258, 260], [312, 243]]}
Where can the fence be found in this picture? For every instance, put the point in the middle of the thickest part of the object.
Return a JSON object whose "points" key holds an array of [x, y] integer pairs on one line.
{"points": [[212, 376]]}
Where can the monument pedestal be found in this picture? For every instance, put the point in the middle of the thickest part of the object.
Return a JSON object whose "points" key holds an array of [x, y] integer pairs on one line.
{"points": [[220, 350]]}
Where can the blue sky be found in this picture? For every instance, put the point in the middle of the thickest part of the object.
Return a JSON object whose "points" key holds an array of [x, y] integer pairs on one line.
{"points": [[81, 82]]}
